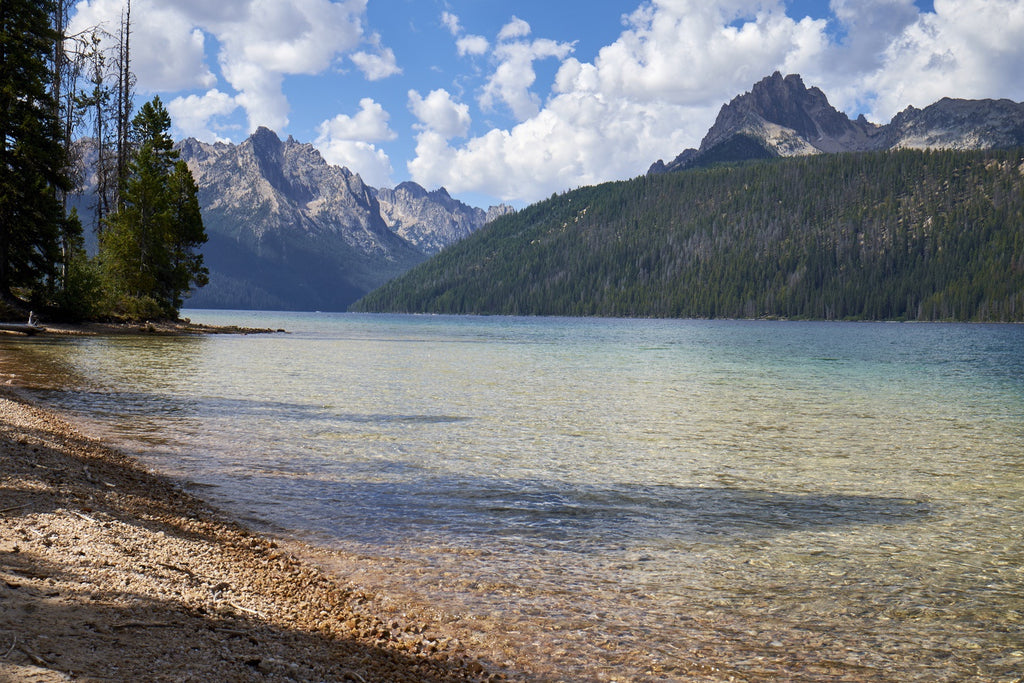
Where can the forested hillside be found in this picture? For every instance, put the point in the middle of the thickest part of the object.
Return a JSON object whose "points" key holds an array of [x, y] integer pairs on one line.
{"points": [[905, 235]]}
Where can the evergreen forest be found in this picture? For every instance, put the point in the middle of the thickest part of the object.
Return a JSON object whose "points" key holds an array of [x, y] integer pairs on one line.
{"points": [[66, 113], [904, 235]]}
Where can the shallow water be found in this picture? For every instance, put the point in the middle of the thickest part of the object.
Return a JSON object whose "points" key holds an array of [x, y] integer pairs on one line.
{"points": [[615, 500]]}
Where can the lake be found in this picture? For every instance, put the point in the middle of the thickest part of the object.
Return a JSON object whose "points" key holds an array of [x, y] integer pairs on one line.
{"points": [[611, 499]]}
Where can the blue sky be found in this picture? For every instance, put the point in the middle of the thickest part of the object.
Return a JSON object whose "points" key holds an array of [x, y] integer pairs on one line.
{"points": [[511, 101]]}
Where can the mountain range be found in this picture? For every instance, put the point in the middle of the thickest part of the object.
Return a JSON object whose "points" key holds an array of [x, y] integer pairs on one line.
{"points": [[289, 231], [781, 117], [885, 235], [788, 209]]}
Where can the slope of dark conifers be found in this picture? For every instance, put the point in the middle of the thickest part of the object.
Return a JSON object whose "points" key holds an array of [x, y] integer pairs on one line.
{"points": [[904, 235]]}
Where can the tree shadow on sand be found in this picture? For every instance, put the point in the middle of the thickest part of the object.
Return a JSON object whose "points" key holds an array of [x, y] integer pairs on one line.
{"points": [[108, 571], [118, 635]]}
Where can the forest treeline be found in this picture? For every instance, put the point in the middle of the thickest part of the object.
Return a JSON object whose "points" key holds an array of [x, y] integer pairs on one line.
{"points": [[903, 235], [67, 119]]}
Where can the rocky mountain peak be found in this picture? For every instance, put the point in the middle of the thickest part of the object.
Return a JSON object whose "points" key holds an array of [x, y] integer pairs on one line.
{"points": [[790, 118], [781, 100], [266, 146], [781, 116], [497, 211], [411, 189], [194, 149], [960, 124], [280, 215], [429, 220]]}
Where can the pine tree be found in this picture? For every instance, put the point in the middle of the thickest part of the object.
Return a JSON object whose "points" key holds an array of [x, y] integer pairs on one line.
{"points": [[79, 295], [32, 159], [148, 249], [184, 238], [74, 292]]}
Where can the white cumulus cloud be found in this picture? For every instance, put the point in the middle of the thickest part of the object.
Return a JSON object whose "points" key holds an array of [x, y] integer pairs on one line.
{"points": [[377, 66], [516, 28], [437, 112], [275, 38], [689, 51], [370, 124], [261, 42], [577, 140], [472, 45], [451, 21], [348, 141], [192, 115], [514, 76]]}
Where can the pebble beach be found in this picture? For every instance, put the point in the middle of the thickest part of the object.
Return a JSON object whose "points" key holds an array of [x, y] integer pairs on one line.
{"points": [[112, 572]]}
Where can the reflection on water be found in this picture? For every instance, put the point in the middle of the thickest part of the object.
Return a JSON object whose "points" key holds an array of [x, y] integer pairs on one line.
{"points": [[614, 500]]}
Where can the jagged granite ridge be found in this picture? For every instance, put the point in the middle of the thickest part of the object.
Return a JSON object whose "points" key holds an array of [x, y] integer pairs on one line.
{"points": [[290, 231], [429, 220], [781, 117]]}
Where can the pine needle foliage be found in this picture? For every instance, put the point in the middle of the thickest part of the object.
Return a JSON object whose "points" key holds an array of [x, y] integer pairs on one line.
{"points": [[904, 235]]}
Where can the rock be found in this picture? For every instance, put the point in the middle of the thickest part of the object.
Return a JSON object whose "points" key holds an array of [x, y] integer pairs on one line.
{"points": [[781, 117], [290, 231], [146, 586]]}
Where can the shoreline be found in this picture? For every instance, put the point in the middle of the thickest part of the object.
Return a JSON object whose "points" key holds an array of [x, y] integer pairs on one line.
{"points": [[111, 572], [180, 327]]}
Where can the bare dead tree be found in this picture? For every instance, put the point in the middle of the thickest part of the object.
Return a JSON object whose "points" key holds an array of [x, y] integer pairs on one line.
{"points": [[68, 60], [124, 94], [93, 102]]}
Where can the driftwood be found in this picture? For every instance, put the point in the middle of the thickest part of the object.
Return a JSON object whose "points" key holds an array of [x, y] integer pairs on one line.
{"points": [[23, 328], [36, 659], [253, 612], [144, 624], [29, 328], [84, 516]]}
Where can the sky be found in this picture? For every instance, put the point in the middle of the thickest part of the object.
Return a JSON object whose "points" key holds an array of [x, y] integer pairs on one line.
{"points": [[513, 101]]}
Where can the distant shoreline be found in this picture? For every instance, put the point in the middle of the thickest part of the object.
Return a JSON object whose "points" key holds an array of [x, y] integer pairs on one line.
{"points": [[159, 328]]}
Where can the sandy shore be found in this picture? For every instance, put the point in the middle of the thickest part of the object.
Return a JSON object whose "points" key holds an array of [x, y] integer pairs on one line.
{"points": [[109, 572], [160, 327]]}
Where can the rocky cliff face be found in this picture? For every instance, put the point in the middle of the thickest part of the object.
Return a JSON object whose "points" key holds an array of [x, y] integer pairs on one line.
{"points": [[429, 220], [791, 118], [496, 212], [781, 117], [288, 230], [290, 188], [959, 124]]}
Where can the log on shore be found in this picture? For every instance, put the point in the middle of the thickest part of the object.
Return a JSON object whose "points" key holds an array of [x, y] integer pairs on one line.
{"points": [[22, 328]]}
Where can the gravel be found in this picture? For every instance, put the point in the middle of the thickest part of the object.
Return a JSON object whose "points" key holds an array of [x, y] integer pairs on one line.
{"points": [[111, 572]]}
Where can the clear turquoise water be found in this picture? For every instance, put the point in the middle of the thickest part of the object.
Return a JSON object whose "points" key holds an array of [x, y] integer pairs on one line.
{"points": [[618, 500]]}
